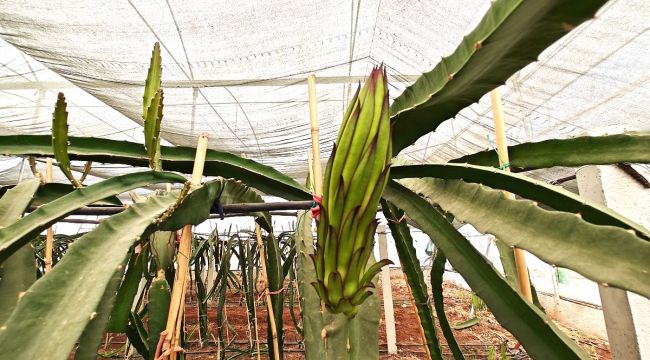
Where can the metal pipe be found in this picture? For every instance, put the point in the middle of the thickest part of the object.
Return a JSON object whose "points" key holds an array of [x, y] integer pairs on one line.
{"points": [[238, 209]]}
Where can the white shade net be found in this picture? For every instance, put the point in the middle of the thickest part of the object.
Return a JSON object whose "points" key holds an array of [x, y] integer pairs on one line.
{"points": [[237, 71]]}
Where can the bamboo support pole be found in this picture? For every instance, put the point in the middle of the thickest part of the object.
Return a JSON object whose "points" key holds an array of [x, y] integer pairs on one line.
{"points": [[502, 149], [178, 326], [315, 167], [32, 166], [315, 145], [257, 334], [177, 303], [49, 240], [310, 169], [269, 305]]}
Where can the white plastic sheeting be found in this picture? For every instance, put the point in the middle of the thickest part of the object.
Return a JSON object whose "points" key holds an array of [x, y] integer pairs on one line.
{"points": [[236, 70]]}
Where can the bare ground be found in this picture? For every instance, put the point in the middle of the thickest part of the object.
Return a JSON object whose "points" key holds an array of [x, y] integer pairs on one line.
{"points": [[475, 341]]}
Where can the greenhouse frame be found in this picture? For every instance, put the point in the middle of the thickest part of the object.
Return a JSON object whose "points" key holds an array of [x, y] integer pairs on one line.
{"points": [[338, 180]]}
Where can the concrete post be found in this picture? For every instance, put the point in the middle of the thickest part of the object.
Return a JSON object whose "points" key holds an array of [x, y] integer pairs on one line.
{"points": [[627, 315], [387, 292]]}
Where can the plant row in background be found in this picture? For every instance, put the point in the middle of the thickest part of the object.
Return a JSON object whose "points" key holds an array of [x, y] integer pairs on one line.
{"points": [[93, 287]]}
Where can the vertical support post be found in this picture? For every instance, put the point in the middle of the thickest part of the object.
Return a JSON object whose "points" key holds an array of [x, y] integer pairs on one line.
{"points": [[49, 240], [310, 168], [177, 303], [315, 146], [269, 304], [627, 315], [257, 336], [556, 289], [21, 171], [387, 292], [502, 149]]}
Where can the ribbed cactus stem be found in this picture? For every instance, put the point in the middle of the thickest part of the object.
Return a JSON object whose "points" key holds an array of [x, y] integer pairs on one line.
{"points": [[326, 335]]}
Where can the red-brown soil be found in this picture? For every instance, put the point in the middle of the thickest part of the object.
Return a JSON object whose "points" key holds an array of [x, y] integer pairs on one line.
{"points": [[475, 341]]}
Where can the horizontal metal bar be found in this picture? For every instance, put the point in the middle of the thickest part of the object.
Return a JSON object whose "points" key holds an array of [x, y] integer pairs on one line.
{"points": [[212, 216], [190, 84], [239, 209]]}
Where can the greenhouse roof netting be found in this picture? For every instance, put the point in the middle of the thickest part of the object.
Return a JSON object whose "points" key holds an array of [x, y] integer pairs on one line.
{"points": [[237, 71]]}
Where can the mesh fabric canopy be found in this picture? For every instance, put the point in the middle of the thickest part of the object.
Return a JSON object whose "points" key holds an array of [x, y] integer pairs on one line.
{"points": [[237, 71]]}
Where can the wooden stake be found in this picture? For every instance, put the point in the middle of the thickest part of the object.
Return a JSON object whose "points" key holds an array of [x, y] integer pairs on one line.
{"points": [[177, 303], [257, 335], [315, 145], [502, 149], [310, 167], [49, 240], [199, 160], [269, 305]]}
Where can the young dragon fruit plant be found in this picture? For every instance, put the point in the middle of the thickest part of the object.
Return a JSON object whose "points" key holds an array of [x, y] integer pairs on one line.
{"points": [[355, 178]]}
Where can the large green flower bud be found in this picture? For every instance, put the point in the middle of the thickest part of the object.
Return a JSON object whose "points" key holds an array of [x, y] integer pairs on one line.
{"points": [[355, 178]]}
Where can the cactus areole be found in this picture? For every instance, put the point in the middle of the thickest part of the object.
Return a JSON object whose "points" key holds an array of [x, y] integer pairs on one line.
{"points": [[355, 178]]}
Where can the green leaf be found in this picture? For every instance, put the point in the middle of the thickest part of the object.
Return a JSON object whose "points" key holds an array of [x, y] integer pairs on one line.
{"points": [[558, 238], [508, 263], [20, 232], [530, 326], [174, 158], [411, 267], [466, 324], [220, 287], [157, 310], [60, 138], [93, 334], [510, 36], [437, 272], [163, 247], [16, 200], [152, 122], [19, 270], [18, 274], [245, 260], [51, 191], [631, 147], [127, 290], [152, 83], [137, 335], [53, 313], [288, 262], [297, 325], [551, 195], [198, 262], [276, 283]]}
